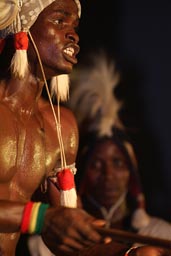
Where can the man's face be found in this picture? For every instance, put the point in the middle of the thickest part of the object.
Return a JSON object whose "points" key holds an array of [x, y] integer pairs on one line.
{"points": [[54, 33], [107, 173]]}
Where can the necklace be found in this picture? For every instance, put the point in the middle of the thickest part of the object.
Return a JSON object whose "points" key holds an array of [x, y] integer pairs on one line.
{"points": [[108, 214]]}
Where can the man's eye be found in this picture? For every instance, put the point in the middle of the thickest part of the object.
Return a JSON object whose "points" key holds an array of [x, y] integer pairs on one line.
{"points": [[58, 21], [96, 165], [119, 162]]}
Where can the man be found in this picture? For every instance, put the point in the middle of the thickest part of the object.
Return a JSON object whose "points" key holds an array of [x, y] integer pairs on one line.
{"points": [[38, 141]]}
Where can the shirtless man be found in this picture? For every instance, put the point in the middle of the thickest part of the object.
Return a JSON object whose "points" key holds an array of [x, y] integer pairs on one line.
{"points": [[29, 147]]}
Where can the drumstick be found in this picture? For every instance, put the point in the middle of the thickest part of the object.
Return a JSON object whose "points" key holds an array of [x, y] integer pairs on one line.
{"points": [[129, 237]]}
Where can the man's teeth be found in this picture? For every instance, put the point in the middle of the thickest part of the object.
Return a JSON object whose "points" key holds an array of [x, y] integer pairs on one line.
{"points": [[69, 51]]}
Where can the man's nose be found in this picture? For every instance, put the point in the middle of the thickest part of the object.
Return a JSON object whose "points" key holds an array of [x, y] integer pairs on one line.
{"points": [[109, 171], [73, 36]]}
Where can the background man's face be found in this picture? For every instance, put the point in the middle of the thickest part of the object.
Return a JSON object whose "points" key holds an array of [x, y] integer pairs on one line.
{"points": [[107, 172]]}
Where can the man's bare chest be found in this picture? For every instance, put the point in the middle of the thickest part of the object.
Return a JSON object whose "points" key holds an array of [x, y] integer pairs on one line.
{"points": [[29, 149], [22, 156]]}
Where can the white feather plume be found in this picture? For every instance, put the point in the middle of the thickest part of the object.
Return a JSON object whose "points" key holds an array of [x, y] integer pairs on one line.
{"points": [[92, 94]]}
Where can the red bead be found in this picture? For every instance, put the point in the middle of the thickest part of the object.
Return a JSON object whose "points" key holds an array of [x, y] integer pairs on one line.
{"points": [[66, 179], [21, 41]]}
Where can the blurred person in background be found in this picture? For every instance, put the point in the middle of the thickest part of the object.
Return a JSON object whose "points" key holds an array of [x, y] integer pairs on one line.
{"points": [[108, 184]]}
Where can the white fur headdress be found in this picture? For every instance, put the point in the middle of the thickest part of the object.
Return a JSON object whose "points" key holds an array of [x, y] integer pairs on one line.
{"points": [[92, 94]]}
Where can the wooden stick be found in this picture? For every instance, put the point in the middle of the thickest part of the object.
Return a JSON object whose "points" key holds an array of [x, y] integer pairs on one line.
{"points": [[129, 237]]}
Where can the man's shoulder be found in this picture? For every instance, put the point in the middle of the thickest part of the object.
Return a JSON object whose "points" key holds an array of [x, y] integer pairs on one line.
{"points": [[68, 117], [66, 114], [67, 111], [44, 106]]}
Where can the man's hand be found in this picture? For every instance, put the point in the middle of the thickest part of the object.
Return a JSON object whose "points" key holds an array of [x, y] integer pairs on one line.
{"points": [[68, 230]]}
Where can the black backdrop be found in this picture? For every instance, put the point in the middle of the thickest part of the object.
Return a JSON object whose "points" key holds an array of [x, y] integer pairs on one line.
{"points": [[137, 34]]}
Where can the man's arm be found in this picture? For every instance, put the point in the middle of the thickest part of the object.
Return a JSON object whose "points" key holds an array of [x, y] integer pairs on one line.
{"points": [[64, 229], [10, 216]]}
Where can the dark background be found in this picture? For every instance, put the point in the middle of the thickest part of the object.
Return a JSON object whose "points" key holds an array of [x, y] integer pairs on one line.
{"points": [[137, 35]]}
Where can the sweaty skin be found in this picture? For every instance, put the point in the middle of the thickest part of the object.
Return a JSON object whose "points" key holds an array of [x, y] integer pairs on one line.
{"points": [[29, 147]]}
